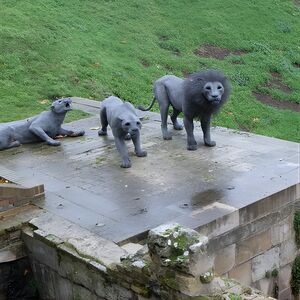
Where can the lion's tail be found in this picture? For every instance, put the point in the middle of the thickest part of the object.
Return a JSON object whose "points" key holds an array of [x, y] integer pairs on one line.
{"points": [[140, 107]]}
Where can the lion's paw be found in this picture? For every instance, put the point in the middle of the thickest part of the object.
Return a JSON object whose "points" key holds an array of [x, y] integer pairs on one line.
{"points": [[126, 163], [210, 143], [192, 147], [142, 153], [54, 143]]}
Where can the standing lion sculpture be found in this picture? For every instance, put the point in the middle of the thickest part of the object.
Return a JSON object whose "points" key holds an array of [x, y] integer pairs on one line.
{"points": [[199, 96]]}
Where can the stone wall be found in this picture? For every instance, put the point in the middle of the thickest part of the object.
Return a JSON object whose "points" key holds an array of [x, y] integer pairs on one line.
{"points": [[256, 245], [70, 262]]}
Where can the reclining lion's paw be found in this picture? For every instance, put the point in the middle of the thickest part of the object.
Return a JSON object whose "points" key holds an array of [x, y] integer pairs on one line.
{"points": [[78, 133], [54, 143]]}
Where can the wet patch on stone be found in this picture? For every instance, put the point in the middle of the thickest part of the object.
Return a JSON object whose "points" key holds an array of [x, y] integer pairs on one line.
{"points": [[269, 100], [217, 52]]}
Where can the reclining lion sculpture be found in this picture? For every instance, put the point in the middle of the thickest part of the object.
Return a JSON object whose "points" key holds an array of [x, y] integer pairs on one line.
{"points": [[43, 127]]}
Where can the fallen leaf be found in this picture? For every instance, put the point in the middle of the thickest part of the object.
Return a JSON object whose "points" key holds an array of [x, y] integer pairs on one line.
{"points": [[94, 128]]}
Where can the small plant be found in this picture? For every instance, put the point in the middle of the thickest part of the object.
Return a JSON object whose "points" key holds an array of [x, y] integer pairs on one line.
{"points": [[295, 280], [274, 273]]}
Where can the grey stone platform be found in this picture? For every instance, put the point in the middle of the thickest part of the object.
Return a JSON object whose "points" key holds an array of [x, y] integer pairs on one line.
{"points": [[85, 185]]}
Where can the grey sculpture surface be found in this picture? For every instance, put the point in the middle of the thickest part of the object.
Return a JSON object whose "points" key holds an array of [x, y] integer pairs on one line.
{"points": [[124, 122], [43, 127], [199, 96]]}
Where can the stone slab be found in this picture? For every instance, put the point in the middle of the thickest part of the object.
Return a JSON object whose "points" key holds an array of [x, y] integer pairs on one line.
{"points": [[85, 185]]}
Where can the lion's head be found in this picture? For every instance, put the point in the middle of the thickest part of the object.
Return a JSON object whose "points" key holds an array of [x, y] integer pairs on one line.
{"points": [[209, 89], [61, 106], [130, 123]]}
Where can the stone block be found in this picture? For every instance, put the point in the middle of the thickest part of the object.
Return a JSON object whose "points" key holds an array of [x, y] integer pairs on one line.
{"points": [[41, 252], [242, 273], [132, 248], [253, 246], [288, 252], [284, 277], [265, 285], [282, 231], [286, 295], [267, 261], [188, 284], [180, 248], [225, 260]]}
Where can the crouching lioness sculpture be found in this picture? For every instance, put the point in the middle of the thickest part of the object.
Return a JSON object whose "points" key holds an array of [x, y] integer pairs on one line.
{"points": [[125, 124], [43, 127]]}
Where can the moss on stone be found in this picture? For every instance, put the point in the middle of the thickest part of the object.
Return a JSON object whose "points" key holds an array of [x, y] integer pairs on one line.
{"points": [[81, 254], [297, 227], [235, 297], [168, 279], [207, 277], [141, 290], [295, 279]]}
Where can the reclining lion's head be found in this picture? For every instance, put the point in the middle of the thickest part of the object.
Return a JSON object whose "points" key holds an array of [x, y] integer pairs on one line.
{"points": [[61, 106]]}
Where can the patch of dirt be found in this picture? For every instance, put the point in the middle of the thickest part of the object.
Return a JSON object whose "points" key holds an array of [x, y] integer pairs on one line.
{"points": [[297, 2], [163, 38], [145, 64], [217, 52], [238, 62], [276, 83], [296, 65], [269, 100]]}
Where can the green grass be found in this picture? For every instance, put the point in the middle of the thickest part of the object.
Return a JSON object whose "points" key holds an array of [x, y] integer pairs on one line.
{"points": [[96, 48]]}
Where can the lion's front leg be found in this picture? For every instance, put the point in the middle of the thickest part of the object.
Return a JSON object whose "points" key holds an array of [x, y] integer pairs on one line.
{"points": [[70, 133], [38, 131], [189, 127], [137, 145], [205, 125], [122, 149]]}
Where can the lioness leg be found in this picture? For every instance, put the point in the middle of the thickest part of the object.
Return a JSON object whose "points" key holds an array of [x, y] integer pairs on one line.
{"points": [[189, 127], [104, 122], [174, 120], [38, 131], [163, 101], [122, 149], [205, 125], [137, 145]]}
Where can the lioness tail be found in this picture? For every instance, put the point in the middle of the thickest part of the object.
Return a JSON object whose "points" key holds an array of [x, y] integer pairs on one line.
{"points": [[140, 107]]}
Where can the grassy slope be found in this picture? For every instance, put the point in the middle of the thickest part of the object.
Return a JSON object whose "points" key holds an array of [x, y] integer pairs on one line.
{"points": [[52, 48]]}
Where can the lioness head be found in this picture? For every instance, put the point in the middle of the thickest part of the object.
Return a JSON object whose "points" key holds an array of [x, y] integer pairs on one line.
{"points": [[130, 124], [61, 106], [213, 91]]}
